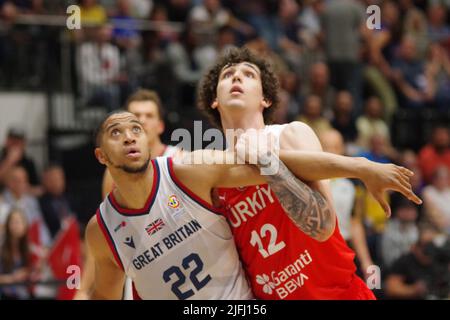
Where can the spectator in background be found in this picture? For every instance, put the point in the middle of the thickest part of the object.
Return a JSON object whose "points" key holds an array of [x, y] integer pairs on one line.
{"points": [[343, 24], [178, 10], [312, 115], [209, 15], [226, 39], [436, 198], [99, 69], [410, 77], [16, 195], [415, 26], [4, 211], [372, 123], [379, 150], [318, 83], [344, 198], [288, 107], [343, 116], [310, 36], [128, 40], [141, 8], [14, 257], [309, 20], [438, 29], [421, 274], [262, 17], [13, 154], [435, 153], [125, 33], [438, 75], [380, 50], [188, 61], [288, 40], [401, 231], [54, 204], [92, 13], [154, 60]]}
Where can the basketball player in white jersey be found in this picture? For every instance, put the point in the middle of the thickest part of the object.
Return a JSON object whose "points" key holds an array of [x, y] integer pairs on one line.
{"points": [[146, 105], [158, 225]]}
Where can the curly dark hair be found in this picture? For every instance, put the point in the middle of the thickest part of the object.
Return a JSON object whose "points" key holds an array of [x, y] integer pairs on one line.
{"points": [[208, 86]]}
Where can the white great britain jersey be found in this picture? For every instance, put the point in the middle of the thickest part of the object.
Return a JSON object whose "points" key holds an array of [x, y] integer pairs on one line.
{"points": [[177, 246]]}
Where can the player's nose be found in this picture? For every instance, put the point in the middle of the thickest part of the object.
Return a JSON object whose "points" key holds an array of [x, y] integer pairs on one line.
{"points": [[129, 137], [237, 76]]}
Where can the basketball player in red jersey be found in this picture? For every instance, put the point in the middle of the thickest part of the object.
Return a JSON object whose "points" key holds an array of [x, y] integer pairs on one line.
{"points": [[286, 232]]}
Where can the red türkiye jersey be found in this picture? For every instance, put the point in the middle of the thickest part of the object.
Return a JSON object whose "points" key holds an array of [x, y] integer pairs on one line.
{"points": [[281, 261]]}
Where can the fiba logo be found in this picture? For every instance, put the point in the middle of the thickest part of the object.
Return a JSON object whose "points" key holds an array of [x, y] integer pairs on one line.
{"points": [[173, 202]]}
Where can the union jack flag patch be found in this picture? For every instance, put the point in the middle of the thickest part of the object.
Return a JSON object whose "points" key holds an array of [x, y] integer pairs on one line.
{"points": [[155, 226]]}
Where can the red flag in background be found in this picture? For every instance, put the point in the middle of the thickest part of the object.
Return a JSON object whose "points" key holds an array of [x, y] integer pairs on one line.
{"points": [[36, 251], [66, 252], [34, 240]]}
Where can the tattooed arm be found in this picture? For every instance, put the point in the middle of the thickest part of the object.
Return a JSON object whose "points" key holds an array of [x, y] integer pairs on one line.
{"points": [[307, 208], [309, 204]]}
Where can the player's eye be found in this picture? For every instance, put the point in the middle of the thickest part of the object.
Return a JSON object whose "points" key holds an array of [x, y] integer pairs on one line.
{"points": [[249, 74], [115, 132], [136, 129], [227, 74]]}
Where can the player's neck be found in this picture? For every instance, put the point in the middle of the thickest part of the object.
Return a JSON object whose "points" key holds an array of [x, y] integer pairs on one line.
{"points": [[246, 121], [157, 148], [132, 190]]}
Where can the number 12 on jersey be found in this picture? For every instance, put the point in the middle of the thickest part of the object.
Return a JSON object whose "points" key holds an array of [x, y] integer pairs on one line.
{"points": [[273, 246]]}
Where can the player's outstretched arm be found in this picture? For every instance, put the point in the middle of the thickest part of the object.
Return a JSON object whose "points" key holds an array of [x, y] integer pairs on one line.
{"points": [[109, 278], [309, 205]]}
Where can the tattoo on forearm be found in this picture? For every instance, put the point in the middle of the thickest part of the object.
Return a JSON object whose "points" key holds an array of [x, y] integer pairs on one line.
{"points": [[307, 208]]}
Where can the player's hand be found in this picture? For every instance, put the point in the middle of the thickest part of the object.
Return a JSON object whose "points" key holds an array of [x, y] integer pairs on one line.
{"points": [[256, 147], [380, 178]]}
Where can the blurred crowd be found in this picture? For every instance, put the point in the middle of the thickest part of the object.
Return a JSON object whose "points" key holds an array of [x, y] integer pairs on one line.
{"points": [[381, 93]]}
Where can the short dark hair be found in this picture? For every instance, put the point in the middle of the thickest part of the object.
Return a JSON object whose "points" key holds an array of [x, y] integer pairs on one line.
{"points": [[145, 95], [98, 131], [207, 90], [16, 133]]}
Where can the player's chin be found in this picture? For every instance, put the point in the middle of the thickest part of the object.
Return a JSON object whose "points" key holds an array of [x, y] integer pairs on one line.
{"points": [[235, 103], [136, 167]]}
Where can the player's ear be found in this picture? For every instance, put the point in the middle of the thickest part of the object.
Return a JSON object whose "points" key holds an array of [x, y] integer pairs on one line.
{"points": [[100, 155], [266, 103], [161, 127], [215, 104]]}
